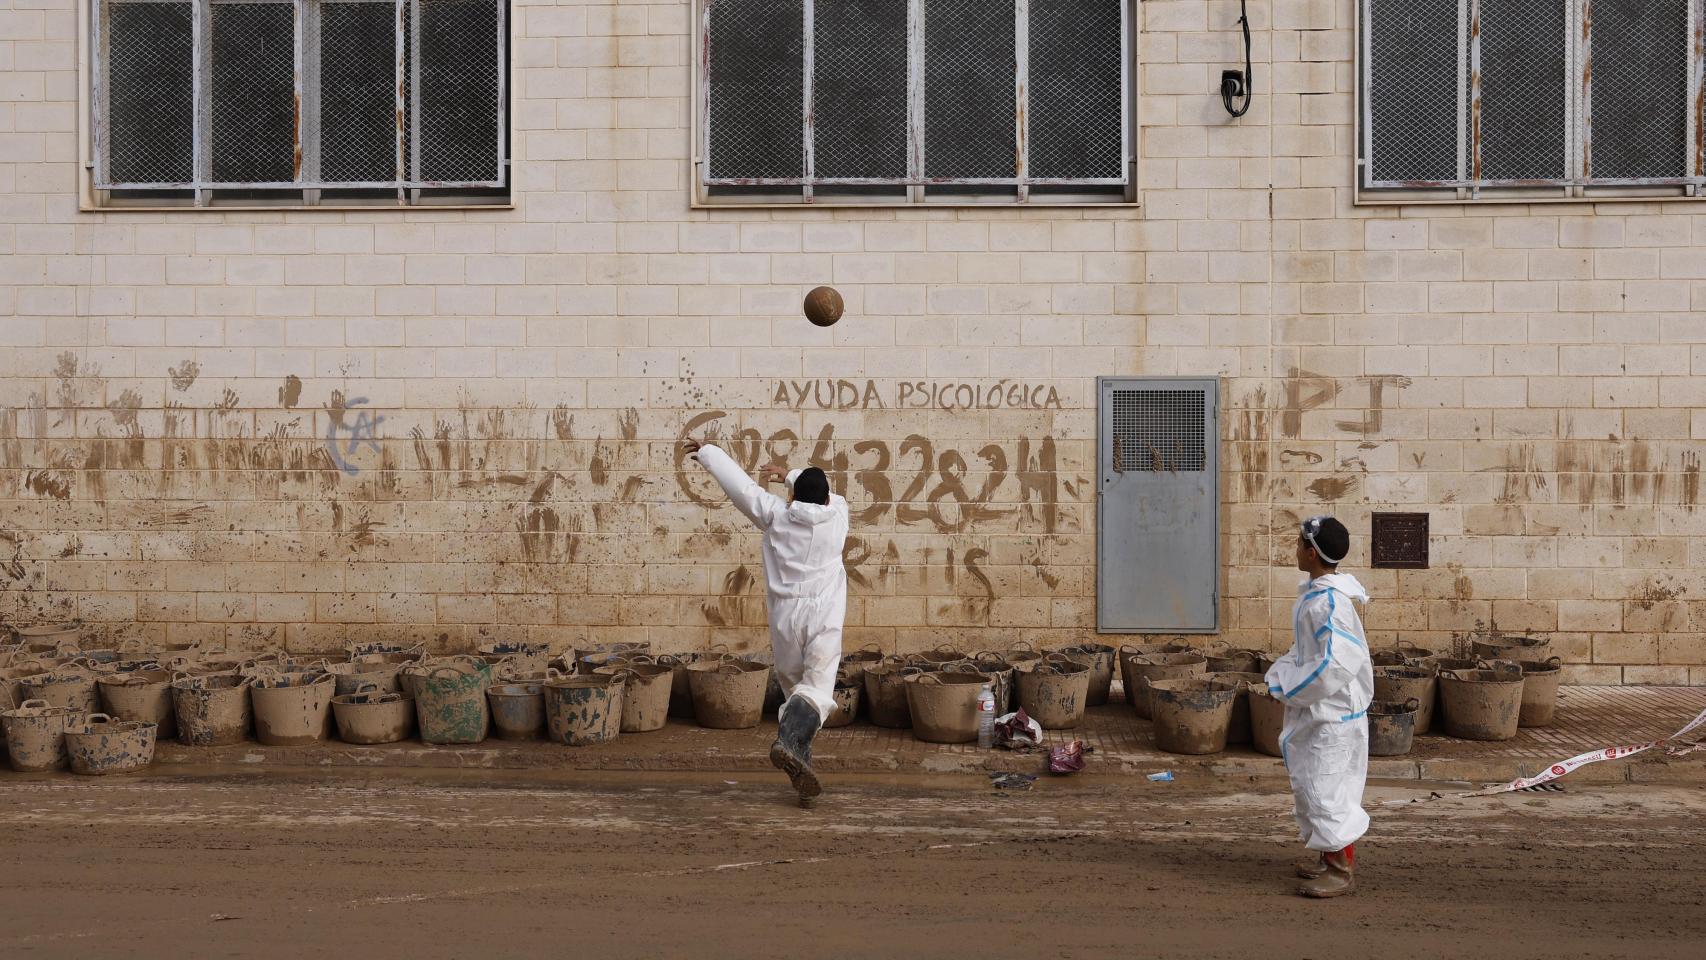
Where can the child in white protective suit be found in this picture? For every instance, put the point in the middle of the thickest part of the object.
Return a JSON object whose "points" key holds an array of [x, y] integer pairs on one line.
{"points": [[1326, 681], [805, 597]]}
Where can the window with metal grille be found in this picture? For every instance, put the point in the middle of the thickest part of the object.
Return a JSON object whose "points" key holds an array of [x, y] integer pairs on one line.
{"points": [[878, 101], [1499, 98], [199, 102]]}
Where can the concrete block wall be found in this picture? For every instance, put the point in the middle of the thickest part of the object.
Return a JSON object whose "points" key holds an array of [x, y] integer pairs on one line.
{"points": [[312, 427]]}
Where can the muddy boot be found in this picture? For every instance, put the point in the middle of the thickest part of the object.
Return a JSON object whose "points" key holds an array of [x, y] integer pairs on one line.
{"points": [[1312, 868], [792, 751], [1337, 878]]}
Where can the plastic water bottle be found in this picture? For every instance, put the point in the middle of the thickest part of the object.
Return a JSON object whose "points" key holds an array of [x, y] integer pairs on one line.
{"points": [[986, 717]]}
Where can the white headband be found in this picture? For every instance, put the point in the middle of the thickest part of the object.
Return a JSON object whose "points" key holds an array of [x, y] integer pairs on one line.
{"points": [[1311, 527]]}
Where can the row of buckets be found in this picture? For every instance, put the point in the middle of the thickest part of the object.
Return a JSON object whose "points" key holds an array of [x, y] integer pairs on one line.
{"points": [[119, 699], [374, 694], [1202, 701]]}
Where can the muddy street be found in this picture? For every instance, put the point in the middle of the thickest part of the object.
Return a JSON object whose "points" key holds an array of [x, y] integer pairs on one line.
{"points": [[204, 863]]}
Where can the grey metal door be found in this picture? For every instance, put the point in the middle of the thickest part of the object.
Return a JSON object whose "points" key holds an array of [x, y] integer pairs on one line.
{"points": [[1158, 505]]}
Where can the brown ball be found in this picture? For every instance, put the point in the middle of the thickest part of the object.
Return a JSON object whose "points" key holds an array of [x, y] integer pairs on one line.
{"points": [[823, 306]]}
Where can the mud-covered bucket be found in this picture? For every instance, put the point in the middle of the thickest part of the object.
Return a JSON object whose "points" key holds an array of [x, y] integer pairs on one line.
{"points": [[943, 705], [680, 693], [1192, 714], [585, 708], [1481, 704], [588, 659], [142, 695], [728, 694], [1053, 691], [1533, 649], [1401, 683], [292, 709], [645, 695], [373, 715], [450, 701], [1000, 675], [212, 709], [1399, 654], [858, 659], [1100, 658], [849, 690], [13, 676], [1539, 691], [885, 693], [518, 710], [1128, 653], [1238, 731], [1392, 727], [1225, 658], [51, 638], [35, 735], [943, 653], [383, 670], [70, 685], [1148, 668], [1267, 719], [528, 658], [103, 744]]}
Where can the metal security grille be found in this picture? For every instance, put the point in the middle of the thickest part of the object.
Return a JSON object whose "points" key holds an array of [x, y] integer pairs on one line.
{"points": [[199, 98], [1159, 430], [969, 66], [253, 92], [151, 110], [1415, 104], [1640, 68], [753, 127], [930, 95], [859, 88], [1523, 90], [1075, 87], [357, 101], [461, 91], [1566, 95]]}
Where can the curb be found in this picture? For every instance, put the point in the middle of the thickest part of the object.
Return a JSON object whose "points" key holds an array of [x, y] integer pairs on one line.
{"points": [[541, 756]]}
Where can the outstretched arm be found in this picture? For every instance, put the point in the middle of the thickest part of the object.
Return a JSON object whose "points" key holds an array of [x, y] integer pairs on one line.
{"points": [[748, 497]]}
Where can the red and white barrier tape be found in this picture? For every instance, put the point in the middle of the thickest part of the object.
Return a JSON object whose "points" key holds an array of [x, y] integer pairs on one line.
{"points": [[1565, 767]]}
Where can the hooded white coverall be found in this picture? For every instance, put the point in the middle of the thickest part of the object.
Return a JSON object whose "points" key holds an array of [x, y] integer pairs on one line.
{"points": [[805, 582], [1326, 681]]}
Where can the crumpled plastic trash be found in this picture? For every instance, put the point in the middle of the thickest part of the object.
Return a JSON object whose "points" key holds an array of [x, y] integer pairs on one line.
{"points": [[1067, 759], [1012, 781], [1016, 731], [1165, 776]]}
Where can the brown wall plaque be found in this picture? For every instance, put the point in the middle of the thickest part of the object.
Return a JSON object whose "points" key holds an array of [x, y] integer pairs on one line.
{"points": [[1400, 541]]}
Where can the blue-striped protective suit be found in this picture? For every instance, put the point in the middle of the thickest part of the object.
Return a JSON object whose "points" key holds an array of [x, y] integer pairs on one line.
{"points": [[1326, 682]]}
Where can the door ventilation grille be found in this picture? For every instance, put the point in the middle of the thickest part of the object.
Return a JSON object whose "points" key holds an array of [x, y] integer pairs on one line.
{"points": [[1159, 431]]}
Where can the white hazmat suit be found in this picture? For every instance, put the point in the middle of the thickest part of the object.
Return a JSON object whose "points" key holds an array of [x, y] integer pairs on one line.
{"points": [[1326, 681], [805, 582]]}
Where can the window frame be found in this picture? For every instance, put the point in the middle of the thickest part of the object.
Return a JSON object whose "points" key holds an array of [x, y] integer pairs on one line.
{"points": [[407, 188], [1580, 184], [916, 184]]}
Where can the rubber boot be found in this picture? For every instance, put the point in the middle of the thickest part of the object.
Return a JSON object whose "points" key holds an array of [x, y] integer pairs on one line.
{"points": [[1312, 868], [792, 752], [1337, 879]]}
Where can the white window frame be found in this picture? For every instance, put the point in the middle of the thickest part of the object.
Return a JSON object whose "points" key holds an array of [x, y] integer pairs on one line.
{"points": [[1580, 183], [917, 184], [303, 191]]}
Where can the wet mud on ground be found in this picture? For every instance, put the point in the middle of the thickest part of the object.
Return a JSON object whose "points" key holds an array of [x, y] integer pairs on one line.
{"points": [[451, 864]]}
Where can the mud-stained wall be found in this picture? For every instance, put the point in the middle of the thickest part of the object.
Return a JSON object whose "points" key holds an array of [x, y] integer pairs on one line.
{"points": [[315, 427]]}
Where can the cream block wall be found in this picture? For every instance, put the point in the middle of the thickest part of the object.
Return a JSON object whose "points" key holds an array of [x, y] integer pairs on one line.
{"points": [[313, 427]]}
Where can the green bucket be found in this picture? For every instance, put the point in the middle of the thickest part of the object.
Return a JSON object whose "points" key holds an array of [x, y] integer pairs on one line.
{"points": [[450, 701]]}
